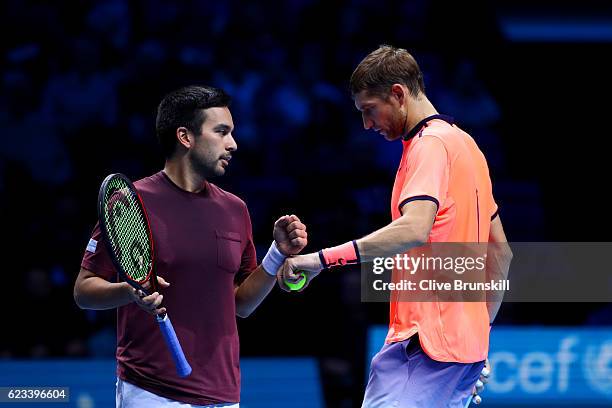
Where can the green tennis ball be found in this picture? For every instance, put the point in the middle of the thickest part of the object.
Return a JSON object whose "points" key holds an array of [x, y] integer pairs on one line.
{"points": [[299, 284]]}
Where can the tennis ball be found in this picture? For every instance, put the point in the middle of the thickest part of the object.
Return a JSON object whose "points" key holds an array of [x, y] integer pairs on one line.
{"points": [[299, 284]]}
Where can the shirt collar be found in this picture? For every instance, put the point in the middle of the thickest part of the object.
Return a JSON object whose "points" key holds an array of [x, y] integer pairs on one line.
{"points": [[422, 123]]}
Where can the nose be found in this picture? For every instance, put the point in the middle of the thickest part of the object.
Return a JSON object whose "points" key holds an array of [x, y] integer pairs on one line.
{"points": [[367, 123], [231, 144]]}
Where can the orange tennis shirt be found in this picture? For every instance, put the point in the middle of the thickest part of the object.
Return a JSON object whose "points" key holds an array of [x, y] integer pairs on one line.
{"points": [[442, 163]]}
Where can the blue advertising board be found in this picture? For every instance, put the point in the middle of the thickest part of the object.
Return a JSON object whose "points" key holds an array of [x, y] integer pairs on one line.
{"points": [[543, 365], [266, 382]]}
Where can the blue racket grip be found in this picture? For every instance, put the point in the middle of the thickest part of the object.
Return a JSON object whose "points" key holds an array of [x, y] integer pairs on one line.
{"points": [[182, 366], [469, 401]]}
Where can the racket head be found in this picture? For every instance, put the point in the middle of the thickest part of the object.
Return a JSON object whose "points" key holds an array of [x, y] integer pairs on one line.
{"points": [[125, 227]]}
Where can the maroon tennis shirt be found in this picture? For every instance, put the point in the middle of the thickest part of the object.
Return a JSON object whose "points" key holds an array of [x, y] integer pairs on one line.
{"points": [[203, 247]]}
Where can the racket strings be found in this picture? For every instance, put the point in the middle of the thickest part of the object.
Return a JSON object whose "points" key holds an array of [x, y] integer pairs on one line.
{"points": [[128, 230]]}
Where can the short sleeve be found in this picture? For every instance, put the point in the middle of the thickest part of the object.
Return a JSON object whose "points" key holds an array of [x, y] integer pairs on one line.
{"points": [[248, 261], [427, 171], [491, 205], [494, 208], [96, 258]]}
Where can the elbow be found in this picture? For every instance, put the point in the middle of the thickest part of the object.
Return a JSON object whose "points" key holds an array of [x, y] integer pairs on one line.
{"points": [[242, 309], [412, 238], [419, 237], [243, 313], [420, 240], [79, 297], [508, 253]]}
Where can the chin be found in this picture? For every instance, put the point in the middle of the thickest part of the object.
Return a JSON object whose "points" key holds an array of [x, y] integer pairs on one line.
{"points": [[391, 138]]}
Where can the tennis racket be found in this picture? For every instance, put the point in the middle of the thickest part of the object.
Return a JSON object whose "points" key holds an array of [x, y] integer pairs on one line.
{"points": [[125, 227]]}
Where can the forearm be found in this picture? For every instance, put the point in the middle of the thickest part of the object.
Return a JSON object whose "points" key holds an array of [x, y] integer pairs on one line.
{"points": [[395, 238], [98, 294], [252, 291], [408, 231], [499, 257]]}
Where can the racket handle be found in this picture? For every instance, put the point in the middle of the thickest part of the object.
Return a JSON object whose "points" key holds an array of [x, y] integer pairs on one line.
{"points": [[469, 401], [182, 366]]}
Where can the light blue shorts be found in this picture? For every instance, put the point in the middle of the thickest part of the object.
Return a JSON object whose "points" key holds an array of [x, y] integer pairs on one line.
{"points": [[130, 396], [403, 376]]}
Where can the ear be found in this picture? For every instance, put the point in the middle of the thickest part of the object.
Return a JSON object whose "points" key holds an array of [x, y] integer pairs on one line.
{"points": [[398, 92], [184, 137]]}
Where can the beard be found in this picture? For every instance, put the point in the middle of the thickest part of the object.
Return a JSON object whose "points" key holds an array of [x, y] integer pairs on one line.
{"points": [[398, 127], [206, 166]]}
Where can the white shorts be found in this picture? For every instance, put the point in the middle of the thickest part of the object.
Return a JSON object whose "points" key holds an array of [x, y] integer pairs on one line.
{"points": [[130, 396]]}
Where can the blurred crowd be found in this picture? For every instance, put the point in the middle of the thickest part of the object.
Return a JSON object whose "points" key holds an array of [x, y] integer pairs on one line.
{"points": [[80, 82]]}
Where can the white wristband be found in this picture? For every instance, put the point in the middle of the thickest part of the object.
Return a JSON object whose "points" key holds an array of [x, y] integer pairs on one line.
{"points": [[273, 260]]}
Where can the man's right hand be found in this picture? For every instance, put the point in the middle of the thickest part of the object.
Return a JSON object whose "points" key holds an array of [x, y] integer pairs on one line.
{"points": [[310, 264], [149, 303]]}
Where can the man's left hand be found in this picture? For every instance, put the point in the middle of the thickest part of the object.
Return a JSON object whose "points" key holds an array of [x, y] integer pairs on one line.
{"points": [[290, 235], [482, 380]]}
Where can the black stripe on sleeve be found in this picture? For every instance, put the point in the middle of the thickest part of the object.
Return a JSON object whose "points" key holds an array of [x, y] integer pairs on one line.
{"points": [[357, 251], [322, 259], [418, 198], [495, 214]]}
